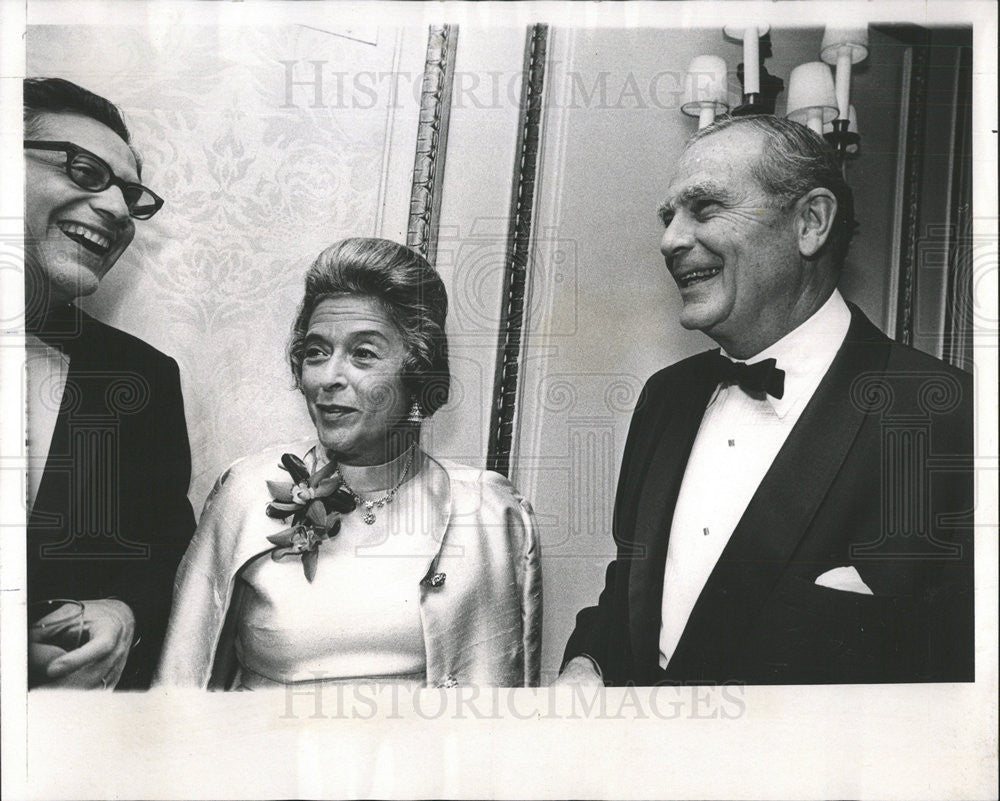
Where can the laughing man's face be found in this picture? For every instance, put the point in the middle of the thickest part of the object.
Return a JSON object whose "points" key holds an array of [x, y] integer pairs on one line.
{"points": [[731, 248], [72, 237]]}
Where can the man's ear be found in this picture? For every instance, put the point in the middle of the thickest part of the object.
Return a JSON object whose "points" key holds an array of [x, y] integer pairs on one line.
{"points": [[815, 212]]}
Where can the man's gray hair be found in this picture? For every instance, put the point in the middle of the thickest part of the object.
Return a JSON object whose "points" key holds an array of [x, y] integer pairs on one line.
{"points": [[794, 161]]}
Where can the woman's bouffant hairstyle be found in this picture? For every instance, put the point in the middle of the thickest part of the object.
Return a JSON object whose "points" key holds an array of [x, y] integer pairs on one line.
{"points": [[412, 295]]}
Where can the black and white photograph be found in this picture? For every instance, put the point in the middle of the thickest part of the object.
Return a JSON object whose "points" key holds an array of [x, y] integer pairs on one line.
{"points": [[486, 400]]}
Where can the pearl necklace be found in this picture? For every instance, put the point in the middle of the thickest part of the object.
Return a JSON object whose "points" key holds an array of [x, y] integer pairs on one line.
{"points": [[377, 503]]}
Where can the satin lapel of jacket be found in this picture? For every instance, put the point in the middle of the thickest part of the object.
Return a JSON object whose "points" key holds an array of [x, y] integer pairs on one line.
{"points": [[671, 437], [438, 487], [780, 512], [236, 553], [221, 662], [438, 491]]}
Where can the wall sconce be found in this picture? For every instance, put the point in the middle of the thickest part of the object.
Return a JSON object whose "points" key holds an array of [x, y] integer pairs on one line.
{"points": [[846, 142], [844, 47], [812, 99], [705, 89]]}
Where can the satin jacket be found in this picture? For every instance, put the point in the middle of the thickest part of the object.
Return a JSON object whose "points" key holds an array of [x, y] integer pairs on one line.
{"points": [[480, 594]]}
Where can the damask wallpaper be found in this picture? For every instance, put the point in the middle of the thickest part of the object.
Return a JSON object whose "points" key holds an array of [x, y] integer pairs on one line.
{"points": [[268, 144]]}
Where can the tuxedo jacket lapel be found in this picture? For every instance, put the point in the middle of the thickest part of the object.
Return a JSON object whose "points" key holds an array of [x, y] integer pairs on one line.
{"points": [[780, 511], [671, 439], [67, 330]]}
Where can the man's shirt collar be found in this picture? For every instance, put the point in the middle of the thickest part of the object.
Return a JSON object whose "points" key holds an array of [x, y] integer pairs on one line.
{"points": [[806, 352]]}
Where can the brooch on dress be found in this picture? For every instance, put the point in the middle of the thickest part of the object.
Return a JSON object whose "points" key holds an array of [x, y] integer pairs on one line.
{"points": [[312, 505]]}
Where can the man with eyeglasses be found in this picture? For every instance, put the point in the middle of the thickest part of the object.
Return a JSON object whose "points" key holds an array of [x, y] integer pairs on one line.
{"points": [[108, 456]]}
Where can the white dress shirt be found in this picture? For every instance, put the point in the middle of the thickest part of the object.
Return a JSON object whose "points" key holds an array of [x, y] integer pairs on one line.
{"points": [[47, 368], [736, 443]]}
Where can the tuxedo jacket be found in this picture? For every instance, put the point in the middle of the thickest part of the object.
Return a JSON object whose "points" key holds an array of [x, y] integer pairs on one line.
{"points": [[875, 475], [111, 517]]}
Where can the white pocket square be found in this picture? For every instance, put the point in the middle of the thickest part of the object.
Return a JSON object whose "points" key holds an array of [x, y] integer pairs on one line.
{"points": [[845, 579]]}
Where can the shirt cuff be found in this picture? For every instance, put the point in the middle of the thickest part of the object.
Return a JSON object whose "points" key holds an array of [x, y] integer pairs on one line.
{"points": [[597, 667]]}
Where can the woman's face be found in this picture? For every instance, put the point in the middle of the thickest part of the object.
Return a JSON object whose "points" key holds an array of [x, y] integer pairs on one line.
{"points": [[352, 377]]}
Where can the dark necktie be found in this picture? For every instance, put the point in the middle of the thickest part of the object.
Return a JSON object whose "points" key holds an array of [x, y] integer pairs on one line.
{"points": [[758, 380]]}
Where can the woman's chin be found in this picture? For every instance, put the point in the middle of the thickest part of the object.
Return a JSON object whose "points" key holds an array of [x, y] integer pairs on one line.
{"points": [[385, 447], [331, 442], [348, 452]]}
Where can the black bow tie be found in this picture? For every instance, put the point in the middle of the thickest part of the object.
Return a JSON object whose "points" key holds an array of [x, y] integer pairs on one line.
{"points": [[758, 380]]}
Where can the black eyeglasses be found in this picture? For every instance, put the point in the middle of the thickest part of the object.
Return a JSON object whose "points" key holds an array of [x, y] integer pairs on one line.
{"points": [[93, 173]]}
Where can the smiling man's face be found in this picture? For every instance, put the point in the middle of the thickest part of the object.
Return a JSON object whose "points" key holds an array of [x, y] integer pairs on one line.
{"points": [[72, 237], [731, 248]]}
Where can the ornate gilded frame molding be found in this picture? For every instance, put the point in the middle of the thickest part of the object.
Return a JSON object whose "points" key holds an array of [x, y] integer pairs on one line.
{"points": [[518, 248], [432, 140]]}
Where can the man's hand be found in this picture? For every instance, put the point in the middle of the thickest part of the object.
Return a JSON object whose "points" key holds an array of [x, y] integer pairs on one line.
{"points": [[99, 662], [580, 670]]}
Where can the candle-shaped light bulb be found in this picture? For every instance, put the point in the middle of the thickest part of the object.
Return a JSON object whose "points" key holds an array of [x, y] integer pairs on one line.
{"points": [[751, 61], [844, 47], [843, 83], [750, 34]]}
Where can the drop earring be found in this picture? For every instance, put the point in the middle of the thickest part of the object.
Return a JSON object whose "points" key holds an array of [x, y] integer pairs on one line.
{"points": [[416, 413]]}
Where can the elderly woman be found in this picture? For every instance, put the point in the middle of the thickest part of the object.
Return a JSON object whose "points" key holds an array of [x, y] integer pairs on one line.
{"points": [[357, 556]]}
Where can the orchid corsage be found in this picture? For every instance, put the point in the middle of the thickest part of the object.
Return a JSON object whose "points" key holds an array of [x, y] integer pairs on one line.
{"points": [[312, 505]]}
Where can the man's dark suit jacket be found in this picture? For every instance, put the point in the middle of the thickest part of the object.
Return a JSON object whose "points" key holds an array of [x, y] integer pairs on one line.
{"points": [[876, 474], [111, 517]]}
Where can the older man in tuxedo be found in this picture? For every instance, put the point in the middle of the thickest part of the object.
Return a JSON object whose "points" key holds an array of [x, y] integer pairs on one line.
{"points": [[108, 458], [797, 508]]}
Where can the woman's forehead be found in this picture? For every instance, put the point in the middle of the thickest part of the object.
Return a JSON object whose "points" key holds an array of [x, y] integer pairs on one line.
{"points": [[350, 312]]}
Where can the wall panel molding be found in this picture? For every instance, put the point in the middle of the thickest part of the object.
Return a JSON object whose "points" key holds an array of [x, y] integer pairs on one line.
{"points": [[518, 248], [432, 140], [911, 159], [958, 324]]}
